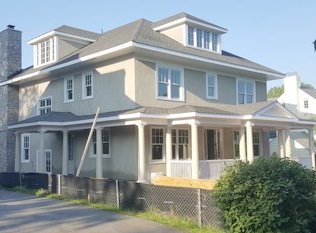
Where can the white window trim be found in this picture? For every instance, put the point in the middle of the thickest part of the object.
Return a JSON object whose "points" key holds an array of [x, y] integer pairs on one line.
{"points": [[83, 82], [215, 97], [260, 143], [51, 161], [177, 144], [66, 100], [104, 156], [181, 92], [37, 48], [23, 160], [157, 161], [305, 100], [43, 98], [254, 89]]}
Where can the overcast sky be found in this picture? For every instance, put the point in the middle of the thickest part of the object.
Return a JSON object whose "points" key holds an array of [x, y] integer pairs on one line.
{"points": [[277, 34]]}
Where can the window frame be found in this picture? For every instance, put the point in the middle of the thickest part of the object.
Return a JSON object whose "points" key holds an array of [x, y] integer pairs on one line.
{"points": [[245, 94], [169, 83], [163, 159], [50, 44], [259, 144], [66, 100], [23, 160], [84, 86], [51, 161], [306, 104], [93, 143], [39, 108], [215, 97], [177, 144]]}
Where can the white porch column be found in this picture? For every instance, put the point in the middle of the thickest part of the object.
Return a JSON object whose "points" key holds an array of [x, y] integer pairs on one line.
{"points": [[98, 160], [65, 153], [141, 153], [312, 148], [195, 150], [281, 143], [250, 156], [17, 152], [168, 150], [288, 150], [242, 144], [41, 158]]}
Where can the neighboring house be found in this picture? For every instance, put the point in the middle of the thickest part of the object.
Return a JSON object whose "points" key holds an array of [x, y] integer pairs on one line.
{"points": [[172, 102], [301, 102]]}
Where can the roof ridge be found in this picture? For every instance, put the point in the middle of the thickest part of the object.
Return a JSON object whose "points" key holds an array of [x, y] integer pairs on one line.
{"points": [[138, 28]]}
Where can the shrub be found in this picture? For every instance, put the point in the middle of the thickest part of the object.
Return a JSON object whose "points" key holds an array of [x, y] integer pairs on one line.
{"points": [[269, 195]]}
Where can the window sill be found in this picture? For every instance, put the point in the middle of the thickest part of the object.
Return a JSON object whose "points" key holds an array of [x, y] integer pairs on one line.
{"points": [[212, 98], [172, 100], [25, 161], [87, 98], [102, 156], [157, 162], [68, 101]]}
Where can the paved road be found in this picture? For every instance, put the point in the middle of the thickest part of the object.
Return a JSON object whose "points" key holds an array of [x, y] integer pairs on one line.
{"points": [[27, 214]]}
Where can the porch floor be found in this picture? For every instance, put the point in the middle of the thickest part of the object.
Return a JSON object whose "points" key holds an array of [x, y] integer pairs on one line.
{"points": [[183, 182]]}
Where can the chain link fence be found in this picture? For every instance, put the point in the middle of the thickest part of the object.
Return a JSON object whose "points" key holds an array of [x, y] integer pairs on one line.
{"points": [[195, 204]]}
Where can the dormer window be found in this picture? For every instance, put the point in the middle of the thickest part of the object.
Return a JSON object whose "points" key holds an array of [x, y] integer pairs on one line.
{"points": [[203, 39], [45, 51]]}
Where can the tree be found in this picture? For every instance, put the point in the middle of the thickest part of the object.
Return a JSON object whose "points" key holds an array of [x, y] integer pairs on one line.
{"points": [[306, 86], [276, 92], [269, 195]]}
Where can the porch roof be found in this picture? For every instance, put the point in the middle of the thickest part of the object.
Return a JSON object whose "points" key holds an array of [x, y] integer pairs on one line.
{"points": [[242, 112]]}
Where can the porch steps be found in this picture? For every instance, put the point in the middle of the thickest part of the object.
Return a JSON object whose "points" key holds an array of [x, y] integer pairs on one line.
{"points": [[182, 182]]}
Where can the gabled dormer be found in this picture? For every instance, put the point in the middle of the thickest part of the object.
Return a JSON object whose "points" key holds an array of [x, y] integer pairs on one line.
{"points": [[58, 43], [192, 32]]}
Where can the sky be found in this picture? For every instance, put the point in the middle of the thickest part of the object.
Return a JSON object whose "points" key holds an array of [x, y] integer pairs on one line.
{"points": [[275, 33]]}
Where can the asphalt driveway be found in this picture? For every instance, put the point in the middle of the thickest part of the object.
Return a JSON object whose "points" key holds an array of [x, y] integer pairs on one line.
{"points": [[28, 214]]}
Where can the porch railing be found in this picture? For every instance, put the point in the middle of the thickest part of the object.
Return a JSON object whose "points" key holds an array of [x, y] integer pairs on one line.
{"points": [[182, 168], [208, 169], [213, 169]]}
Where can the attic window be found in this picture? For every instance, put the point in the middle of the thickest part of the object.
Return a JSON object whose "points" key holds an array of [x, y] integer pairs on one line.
{"points": [[202, 39], [45, 51]]}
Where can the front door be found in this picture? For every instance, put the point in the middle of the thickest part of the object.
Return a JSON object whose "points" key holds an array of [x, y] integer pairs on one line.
{"points": [[212, 144]]}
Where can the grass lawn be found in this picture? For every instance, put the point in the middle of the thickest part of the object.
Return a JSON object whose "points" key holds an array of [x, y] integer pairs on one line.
{"points": [[185, 225]]}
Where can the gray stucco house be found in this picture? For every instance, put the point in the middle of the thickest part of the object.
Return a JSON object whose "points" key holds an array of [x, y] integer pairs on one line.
{"points": [[172, 102]]}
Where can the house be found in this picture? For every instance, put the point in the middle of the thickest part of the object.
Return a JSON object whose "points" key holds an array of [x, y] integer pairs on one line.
{"points": [[302, 102], [172, 102]]}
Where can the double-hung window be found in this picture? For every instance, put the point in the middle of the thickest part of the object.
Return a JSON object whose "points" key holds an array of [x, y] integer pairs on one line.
{"points": [[157, 144], [180, 144], [105, 140], [69, 89], [211, 86], [245, 90], [25, 147], [87, 85], [44, 106], [170, 83]]}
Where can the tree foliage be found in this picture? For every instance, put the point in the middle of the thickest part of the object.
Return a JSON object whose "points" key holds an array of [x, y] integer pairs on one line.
{"points": [[306, 86], [269, 195], [276, 92]]}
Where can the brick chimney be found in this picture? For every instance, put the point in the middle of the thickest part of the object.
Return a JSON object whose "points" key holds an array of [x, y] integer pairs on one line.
{"points": [[10, 64], [10, 52]]}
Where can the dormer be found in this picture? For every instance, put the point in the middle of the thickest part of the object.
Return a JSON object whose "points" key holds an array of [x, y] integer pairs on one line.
{"points": [[58, 43], [192, 32]]}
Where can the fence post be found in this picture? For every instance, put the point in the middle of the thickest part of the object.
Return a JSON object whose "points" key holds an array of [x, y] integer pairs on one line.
{"points": [[117, 194], [199, 208], [58, 184]]}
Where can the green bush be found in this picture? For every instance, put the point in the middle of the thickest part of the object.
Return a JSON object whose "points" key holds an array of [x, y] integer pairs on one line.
{"points": [[269, 195]]}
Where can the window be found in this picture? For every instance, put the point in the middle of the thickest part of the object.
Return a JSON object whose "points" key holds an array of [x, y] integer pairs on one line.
{"points": [[214, 41], [211, 86], [236, 144], [191, 36], [272, 134], [69, 90], [305, 103], [180, 144], [45, 52], [105, 144], [25, 147], [44, 105], [157, 144], [245, 90], [87, 85], [203, 39], [48, 161], [170, 85], [256, 143]]}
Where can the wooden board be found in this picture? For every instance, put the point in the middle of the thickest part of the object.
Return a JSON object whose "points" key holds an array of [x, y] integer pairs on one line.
{"points": [[181, 182]]}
